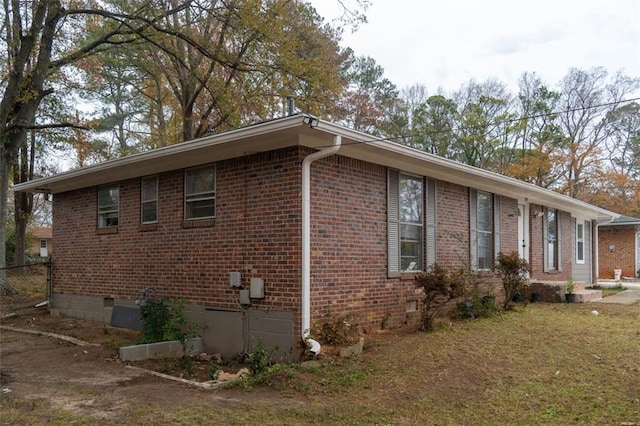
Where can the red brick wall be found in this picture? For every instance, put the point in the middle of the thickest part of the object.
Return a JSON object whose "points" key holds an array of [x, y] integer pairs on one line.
{"points": [[452, 225], [257, 232], [453, 233], [509, 225], [623, 238], [536, 255], [349, 245]]}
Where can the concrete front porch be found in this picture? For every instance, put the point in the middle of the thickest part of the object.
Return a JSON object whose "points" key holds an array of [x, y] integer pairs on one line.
{"points": [[554, 291]]}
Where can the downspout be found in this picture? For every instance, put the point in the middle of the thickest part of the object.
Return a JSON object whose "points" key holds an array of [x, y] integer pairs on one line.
{"points": [[314, 346]]}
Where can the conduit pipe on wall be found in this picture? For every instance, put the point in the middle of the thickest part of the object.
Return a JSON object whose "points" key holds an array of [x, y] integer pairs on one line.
{"points": [[314, 346]]}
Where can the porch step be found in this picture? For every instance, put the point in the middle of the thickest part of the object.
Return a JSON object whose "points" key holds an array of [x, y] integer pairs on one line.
{"points": [[587, 295]]}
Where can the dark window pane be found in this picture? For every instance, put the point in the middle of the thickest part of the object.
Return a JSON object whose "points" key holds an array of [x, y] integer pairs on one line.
{"points": [[200, 209], [200, 181], [411, 199], [149, 189], [149, 211], [411, 247], [485, 212]]}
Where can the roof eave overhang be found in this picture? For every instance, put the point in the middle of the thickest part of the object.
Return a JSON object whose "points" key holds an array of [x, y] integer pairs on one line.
{"points": [[379, 151], [292, 131], [258, 138]]}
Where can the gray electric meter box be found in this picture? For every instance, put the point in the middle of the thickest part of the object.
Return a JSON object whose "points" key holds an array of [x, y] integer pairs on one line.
{"points": [[257, 288]]}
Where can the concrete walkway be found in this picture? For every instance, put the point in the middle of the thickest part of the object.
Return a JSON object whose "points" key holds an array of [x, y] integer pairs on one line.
{"points": [[627, 297], [627, 284]]}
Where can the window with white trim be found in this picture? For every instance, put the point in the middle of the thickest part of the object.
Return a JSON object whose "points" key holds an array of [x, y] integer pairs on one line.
{"points": [[149, 199], [551, 240], [411, 222], [484, 221], [108, 203], [405, 220], [200, 193], [579, 242]]}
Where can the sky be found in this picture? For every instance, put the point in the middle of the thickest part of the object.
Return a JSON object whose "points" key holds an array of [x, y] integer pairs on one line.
{"points": [[444, 44]]}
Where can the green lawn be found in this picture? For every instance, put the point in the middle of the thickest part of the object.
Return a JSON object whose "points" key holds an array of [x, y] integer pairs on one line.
{"points": [[554, 364]]}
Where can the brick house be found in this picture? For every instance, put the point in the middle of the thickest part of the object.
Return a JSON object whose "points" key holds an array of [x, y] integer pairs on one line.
{"points": [[41, 242], [619, 247], [269, 229]]}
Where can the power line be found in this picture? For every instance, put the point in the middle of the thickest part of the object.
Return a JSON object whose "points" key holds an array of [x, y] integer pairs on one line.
{"points": [[495, 123]]}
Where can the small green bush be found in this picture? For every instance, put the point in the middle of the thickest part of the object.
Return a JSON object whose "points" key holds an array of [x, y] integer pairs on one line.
{"points": [[163, 321], [258, 359]]}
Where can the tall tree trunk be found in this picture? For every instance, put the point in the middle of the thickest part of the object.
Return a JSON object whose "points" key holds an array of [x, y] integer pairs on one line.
{"points": [[23, 201], [5, 163], [21, 231]]}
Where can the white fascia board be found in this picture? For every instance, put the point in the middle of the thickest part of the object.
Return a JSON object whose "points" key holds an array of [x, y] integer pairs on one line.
{"points": [[186, 154], [290, 131]]}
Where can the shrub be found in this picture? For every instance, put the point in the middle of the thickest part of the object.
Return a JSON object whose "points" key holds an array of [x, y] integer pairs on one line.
{"points": [[512, 270], [439, 287], [162, 321], [258, 359], [337, 331], [479, 304]]}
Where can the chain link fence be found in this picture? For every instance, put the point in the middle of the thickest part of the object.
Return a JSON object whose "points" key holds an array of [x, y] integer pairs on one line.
{"points": [[31, 281]]}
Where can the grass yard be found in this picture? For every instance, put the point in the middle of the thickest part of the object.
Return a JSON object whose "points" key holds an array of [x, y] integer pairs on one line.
{"points": [[555, 364]]}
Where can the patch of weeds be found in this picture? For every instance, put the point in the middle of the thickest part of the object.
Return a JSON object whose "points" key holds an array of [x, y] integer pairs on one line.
{"points": [[337, 331], [258, 360], [277, 376], [214, 370], [341, 373], [264, 372], [168, 365], [188, 365], [116, 343], [479, 305], [370, 344]]}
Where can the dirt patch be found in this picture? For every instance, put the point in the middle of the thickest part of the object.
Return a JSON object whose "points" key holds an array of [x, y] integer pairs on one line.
{"points": [[91, 381]]}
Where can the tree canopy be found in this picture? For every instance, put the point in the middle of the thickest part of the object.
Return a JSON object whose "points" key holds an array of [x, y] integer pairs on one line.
{"points": [[96, 80]]}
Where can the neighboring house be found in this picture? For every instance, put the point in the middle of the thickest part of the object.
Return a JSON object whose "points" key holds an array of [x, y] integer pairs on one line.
{"points": [[269, 229], [619, 248], [40, 245]]}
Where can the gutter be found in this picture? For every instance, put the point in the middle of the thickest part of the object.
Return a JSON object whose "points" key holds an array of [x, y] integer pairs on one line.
{"points": [[314, 346]]}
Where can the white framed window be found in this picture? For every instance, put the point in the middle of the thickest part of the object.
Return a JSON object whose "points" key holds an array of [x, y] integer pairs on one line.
{"points": [[551, 240], [580, 234], [108, 204], [200, 193], [484, 222], [411, 222], [149, 199], [406, 223]]}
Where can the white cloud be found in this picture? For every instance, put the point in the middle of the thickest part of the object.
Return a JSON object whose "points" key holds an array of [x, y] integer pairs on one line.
{"points": [[448, 43]]}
